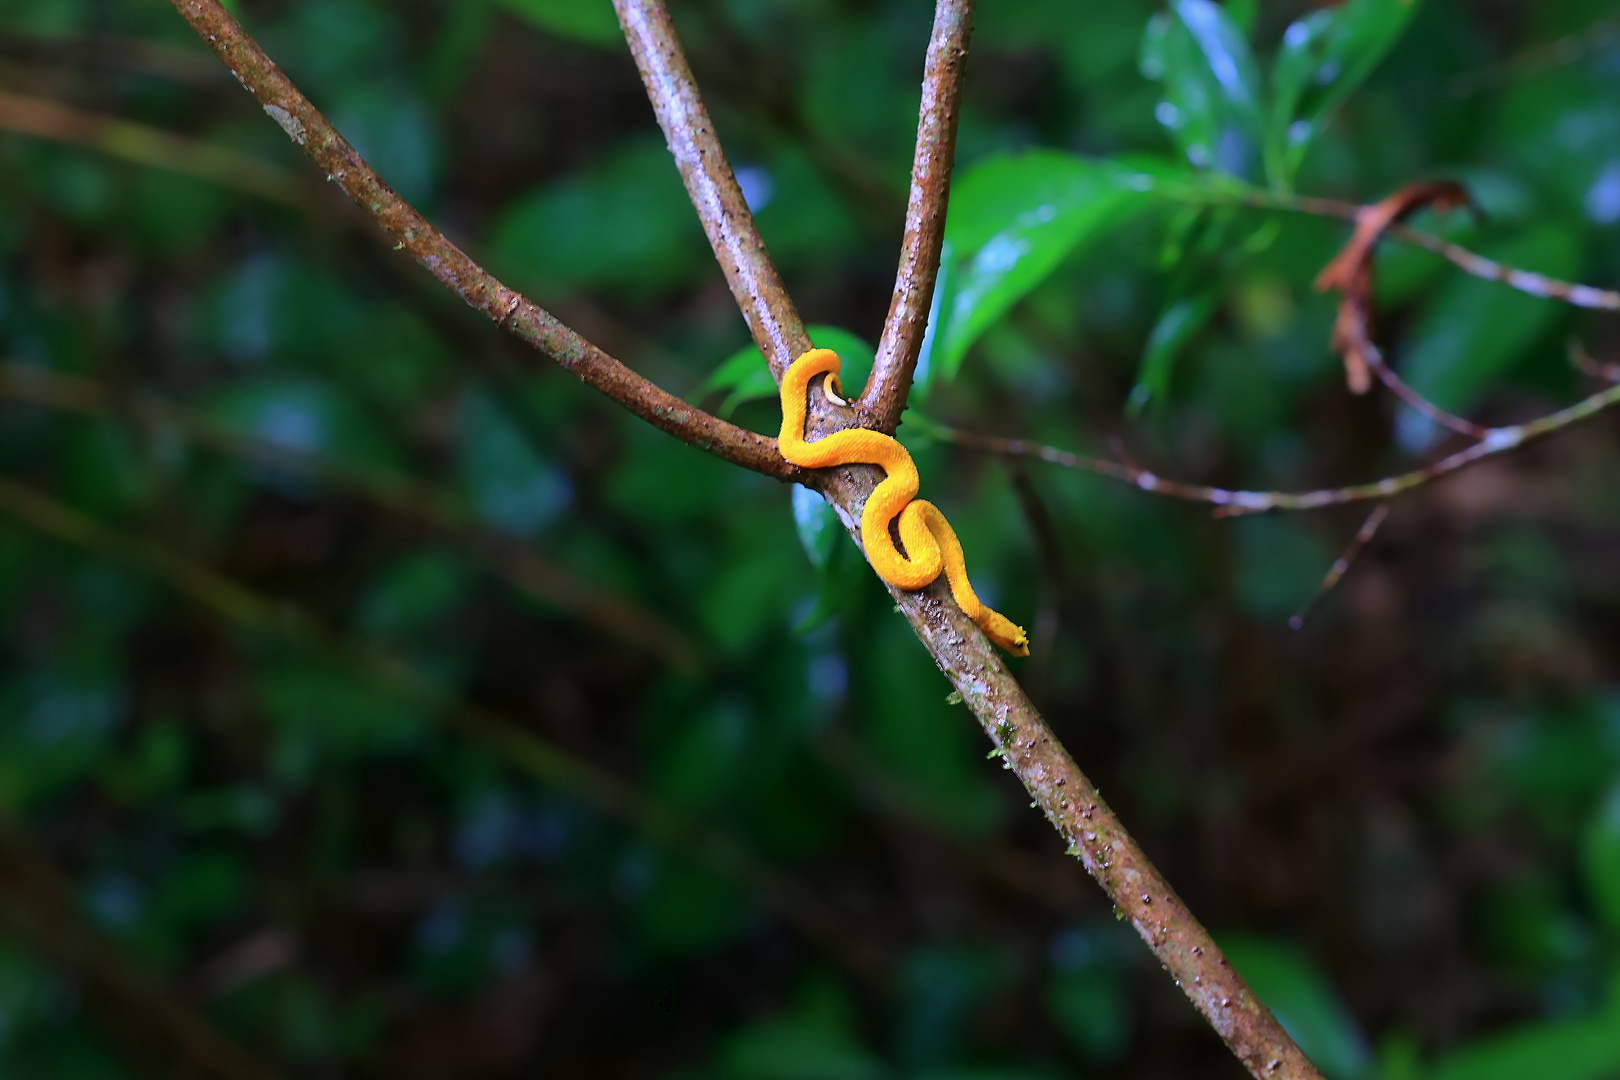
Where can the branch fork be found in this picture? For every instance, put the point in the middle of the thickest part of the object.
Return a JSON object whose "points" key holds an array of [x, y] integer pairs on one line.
{"points": [[1057, 786]]}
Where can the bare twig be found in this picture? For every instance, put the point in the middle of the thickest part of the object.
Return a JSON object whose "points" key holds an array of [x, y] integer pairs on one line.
{"points": [[1582, 361], [890, 383], [142, 55], [1229, 502], [1341, 565], [157, 1026], [515, 743], [1350, 273], [517, 564], [305, 125], [1056, 785], [1572, 293], [1355, 336]]}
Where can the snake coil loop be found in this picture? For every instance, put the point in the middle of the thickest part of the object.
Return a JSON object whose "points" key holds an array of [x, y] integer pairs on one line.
{"points": [[928, 538]]}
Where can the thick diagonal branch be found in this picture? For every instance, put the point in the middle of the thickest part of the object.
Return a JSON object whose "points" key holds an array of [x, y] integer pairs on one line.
{"points": [[1069, 800], [305, 125], [884, 398]]}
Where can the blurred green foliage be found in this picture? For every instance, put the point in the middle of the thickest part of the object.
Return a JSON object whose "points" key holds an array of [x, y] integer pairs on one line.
{"points": [[1404, 821]]}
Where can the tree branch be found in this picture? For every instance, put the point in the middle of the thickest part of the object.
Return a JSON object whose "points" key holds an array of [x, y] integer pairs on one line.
{"points": [[977, 671], [772, 319], [1475, 265], [884, 398], [1229, 503], [305, 125], [145, 145]]}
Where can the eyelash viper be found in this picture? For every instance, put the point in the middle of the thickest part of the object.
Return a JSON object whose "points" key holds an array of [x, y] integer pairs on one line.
{"points": [[923, 529]]}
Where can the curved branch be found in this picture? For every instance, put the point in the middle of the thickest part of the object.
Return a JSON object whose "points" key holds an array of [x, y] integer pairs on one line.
{"points": [[884, 398], [305, 125], [1229, 503]]}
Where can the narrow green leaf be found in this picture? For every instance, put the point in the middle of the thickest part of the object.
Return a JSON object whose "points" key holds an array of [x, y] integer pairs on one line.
{"points": [[1211, 104], [1324, 57], [1583, 1049], [817, 525], [590, 21], [1284, 978], [744, 376], [1178, 324], [1600, 860], [1013, 219]]}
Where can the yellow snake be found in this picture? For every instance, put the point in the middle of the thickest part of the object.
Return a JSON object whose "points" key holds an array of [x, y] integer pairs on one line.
{"points": [[923, 529]]}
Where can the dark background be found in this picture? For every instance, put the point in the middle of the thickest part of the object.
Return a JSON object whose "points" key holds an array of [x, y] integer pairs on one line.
{"points": [[1403, 819]]}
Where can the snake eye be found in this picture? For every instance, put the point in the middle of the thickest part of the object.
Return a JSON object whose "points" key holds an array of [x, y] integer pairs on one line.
{"points": [[827, 388]]}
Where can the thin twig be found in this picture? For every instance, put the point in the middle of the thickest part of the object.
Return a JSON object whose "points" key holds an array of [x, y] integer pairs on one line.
{"points": [[514, 742], [517, 564], [39, 908], [142, 55], [1341, 565], [1373, 357], [1582, 361], [1068, 799], [1230, 502], [1540, 285], [305, 125], [151, 146], [890, 383]]}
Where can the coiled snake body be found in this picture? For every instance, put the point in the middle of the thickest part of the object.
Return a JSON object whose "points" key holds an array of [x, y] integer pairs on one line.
{"points": [[929, 539]]}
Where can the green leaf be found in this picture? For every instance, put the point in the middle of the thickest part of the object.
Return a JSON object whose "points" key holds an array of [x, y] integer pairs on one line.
{"points": [[1324, 57], [510, 486], [303, 416], [1178, 324], [1584, 1049], [1283, 977], [590, 21], [1211, 103], [1013, 219], [1600, 860], [745, 377], [1473, 331], [625, 224], [1092, 1008], [817, 525]]}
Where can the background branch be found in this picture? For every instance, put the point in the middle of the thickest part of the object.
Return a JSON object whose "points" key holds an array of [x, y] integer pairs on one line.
{"points": [[1494, 441], [890, 383], [159, 1027], [516, 744], [516, 563]]}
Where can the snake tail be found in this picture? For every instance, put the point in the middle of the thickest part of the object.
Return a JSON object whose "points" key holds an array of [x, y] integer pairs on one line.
{"points": [[930, 543]]}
